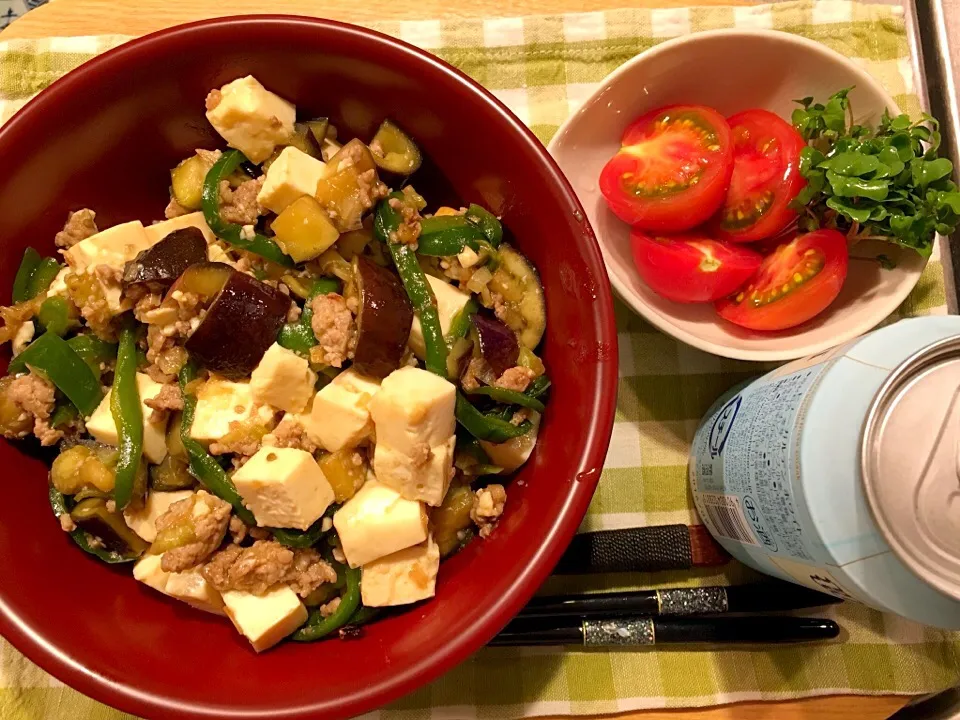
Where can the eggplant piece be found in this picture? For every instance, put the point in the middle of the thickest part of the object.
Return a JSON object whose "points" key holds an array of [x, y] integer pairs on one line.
{"points": [[240, 325], [384, 320], [498, 343], [93, 517], [524, 307], [166, 261], [205, 279]]}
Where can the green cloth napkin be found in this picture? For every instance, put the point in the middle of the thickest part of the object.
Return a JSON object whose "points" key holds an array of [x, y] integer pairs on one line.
{"points": [[543, 67]]}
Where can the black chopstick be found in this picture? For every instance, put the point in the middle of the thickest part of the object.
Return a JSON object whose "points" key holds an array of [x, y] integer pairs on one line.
{"points": [[642, 631], [760, 597]]}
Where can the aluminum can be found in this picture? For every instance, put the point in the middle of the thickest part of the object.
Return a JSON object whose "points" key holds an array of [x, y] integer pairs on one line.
{"points": [[841, 471]]}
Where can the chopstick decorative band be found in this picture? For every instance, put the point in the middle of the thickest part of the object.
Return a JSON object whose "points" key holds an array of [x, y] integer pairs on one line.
{"points": [[625, 631], [692, 601]]}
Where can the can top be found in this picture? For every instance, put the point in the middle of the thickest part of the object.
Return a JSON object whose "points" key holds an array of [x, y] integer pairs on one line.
{"points": [[910, 462]]}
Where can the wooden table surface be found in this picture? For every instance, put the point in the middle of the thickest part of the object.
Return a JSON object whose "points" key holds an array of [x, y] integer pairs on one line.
{"points": [[138, 17]]}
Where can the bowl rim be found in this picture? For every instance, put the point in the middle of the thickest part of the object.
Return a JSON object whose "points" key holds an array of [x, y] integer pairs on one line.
{"points": [[42, 649], [657, 319]]}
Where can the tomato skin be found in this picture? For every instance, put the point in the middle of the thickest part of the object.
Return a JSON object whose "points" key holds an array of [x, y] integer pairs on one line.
{"points": [[818, 258], [766, 173], [690, 148], [693, 267]]}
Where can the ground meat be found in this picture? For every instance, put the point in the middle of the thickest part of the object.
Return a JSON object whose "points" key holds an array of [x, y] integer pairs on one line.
{"points": [[239, 531], [240, 205], [290, 433], [334, 328], [79, 226], [212, 100], [87, 295], [174, 209], [478, 371], [488, 507], [145, 303], [209, 516], [34, 396], [66, 523], [169, 398], [328, 609], [499, 306], [409, 230], [293, 312], [266, 564], [521, 415], [516, 378]]}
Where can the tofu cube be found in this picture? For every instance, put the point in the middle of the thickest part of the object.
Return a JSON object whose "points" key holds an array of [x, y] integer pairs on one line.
{"points": [[284, 487], [404, 577], [340, 416], [103, 428], [143, 520], [114, 247], [283, 379], [158, 231], [59, 284], [266, 619], [414, 408], [291, 176], [378, 521], [190, 586], [450, 302], [221, 402], [251, 118], [424, 478]]}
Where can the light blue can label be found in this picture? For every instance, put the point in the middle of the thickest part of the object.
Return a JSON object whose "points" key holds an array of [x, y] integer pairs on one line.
{"points": [[775, 474]]}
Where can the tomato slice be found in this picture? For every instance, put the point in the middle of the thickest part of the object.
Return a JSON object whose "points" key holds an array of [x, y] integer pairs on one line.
{"points": [[798, 280], [766, 177], [693, 267], [672, 170]]}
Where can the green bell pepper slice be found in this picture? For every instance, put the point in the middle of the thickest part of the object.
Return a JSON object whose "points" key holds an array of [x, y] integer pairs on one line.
{"points": [[387, 220], [127, 416], [447, 235], [33, 276], [60, 363], [93, 351], [55, 315], [202, 464], [229, 232], [318, 626], [486, 427], [509, 397], [487, 222], [298, 336]]}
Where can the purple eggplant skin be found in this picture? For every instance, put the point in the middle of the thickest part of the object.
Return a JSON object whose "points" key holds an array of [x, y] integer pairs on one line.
{"points": [[163, 263], [383, 322], [240, 325], [498, 343]]}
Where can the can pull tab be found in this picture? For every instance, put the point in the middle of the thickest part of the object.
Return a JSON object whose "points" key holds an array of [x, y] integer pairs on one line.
{"points": [[937, 498]]}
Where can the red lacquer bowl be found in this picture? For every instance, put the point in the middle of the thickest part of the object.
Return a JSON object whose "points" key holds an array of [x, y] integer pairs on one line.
{"points": [[105, 137]]}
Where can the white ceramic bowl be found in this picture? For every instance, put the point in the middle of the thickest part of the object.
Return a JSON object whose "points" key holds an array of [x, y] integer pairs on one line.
{"points": [[730, 70]]}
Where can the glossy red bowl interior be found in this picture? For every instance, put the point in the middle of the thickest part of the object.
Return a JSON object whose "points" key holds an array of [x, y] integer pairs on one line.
{"points": [[105, 137]]}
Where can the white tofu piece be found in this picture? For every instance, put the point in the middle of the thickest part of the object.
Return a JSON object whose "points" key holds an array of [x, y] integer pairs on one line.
{"points": [[340, 415], [114, 247], [283, 379], [143, 520], [513, 453], [215, 253], [59, 284], [284, 487], [450, 302], [189, 586], [378, 521], [404, 577], [221, 402], [266, 619], [291, 176], [158, 231], [413, 408], [468, 257], [23, 337], [424, 479], [104, 430], [251, 118]]}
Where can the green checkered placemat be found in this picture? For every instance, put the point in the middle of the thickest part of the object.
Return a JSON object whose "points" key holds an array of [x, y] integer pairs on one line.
{"points": [[543, 67]]}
